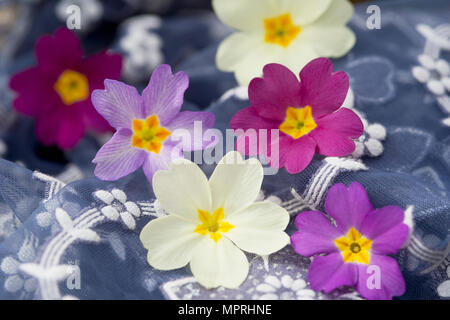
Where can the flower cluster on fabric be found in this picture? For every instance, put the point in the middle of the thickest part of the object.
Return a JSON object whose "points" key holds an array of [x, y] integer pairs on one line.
{"points": [[210, 226], [57, 91], [145, 125], [117, 206], [307, 113], [352, 251], [291, 33]]}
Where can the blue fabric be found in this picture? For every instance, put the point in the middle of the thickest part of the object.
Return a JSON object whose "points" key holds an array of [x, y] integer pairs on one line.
{"points": [[41, 257]]}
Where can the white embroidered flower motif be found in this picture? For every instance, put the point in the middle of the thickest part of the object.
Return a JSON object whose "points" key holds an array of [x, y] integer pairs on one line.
{"points": [[142, 47], [10, 265], [118, 207], [435, 74], [289, 32], [211, 222], [91, 11], [370, 142], [285, 288]]}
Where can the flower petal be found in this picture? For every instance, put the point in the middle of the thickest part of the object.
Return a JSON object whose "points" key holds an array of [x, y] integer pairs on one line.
{"points": [[391, 280], [58, 52], [91, 117], [183, 189], [278, 159], [328, 35], [247, 119], [235, 183], [117, 158], [345, 122], [300, 155], [299, 54], [329, 41], [334, 133], [386, 229], [275, 92], [252, 64], [101, 66], [327, 273], [183, 126], [259, 228], [97, 68], [164, 94], [244, 15], [170, 241], [322, 89], [315, 234], [35, 95], [161, 161], [294, 155], [338, 13], [219, 264], [348, 206], [245, 55], [71, 130], [119, 104], [305, 12], [63, 127], [232, 51]]}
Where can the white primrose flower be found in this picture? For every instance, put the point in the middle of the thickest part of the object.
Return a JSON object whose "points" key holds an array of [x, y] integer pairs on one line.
{"points": [[289, 32], [211, 222]]}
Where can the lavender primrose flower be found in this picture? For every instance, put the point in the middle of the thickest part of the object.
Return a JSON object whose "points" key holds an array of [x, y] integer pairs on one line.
{"points": [[145, 125], [354, 252]]}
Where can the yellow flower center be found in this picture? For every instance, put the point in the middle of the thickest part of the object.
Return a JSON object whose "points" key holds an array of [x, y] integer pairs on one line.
{"points": [[354, 247], [280, 30], [72, 87], [212, 224], [148, 134], [298, 122]]}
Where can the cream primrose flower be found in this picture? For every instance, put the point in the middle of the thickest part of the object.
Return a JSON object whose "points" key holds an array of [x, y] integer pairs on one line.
{"points": [[210, 223], [288, 32]]}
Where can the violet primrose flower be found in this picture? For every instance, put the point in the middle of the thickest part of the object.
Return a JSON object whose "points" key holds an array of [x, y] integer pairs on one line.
{"points": [[356, 248], [308, 115], [145, 125]]}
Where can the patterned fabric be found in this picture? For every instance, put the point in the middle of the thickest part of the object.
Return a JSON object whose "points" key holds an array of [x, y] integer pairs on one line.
{"points": [[64, 234]]}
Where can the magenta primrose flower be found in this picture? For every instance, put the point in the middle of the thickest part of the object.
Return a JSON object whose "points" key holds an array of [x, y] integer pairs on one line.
{"points": [[307, 114], [146, 125], [354, 252], [57, 91]]}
